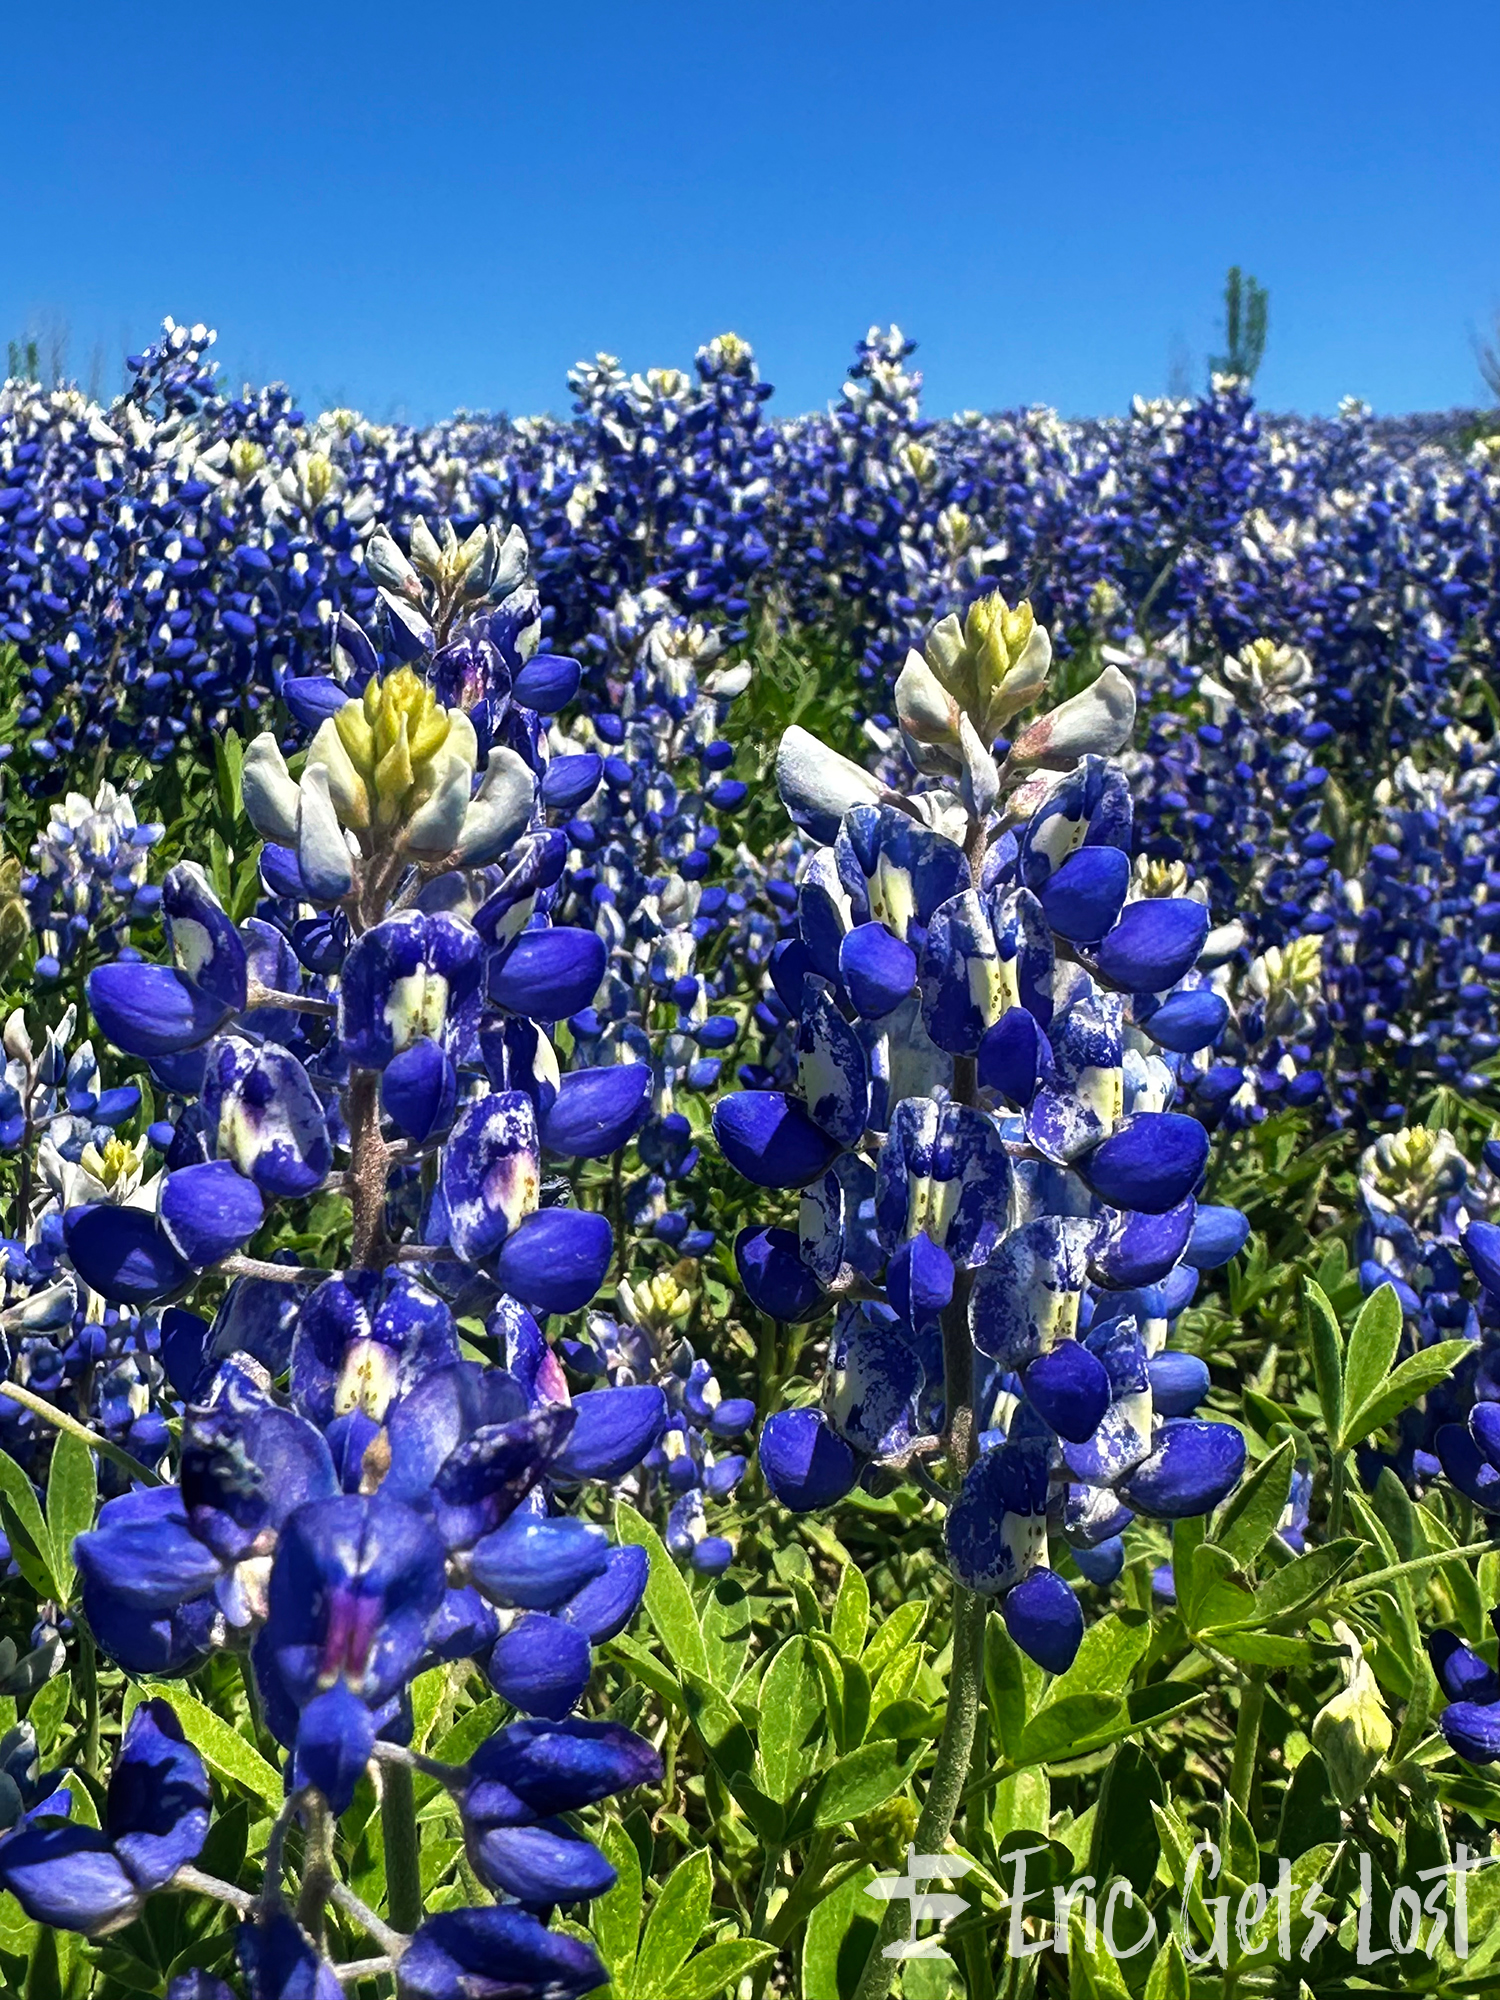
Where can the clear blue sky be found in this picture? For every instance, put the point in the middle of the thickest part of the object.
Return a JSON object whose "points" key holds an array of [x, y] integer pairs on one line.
{"points": [[412, 207]]}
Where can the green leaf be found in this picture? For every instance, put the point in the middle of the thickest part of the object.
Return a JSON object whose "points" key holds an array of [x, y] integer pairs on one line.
{"points": [[1004, 1685], [892, 1636], [669, 1602], [615, 1918], [1169, 1974], [1055, 1731], [856, 1705], [31, 1545], [1125, 1841], [1110, 1651], [49, 1710], [676, 1923], [1370, 1354], [1308, 1813], [838, 1938], [1398, 1391], [1305, 1580], [858, 1783], [851, 1612], [72, 1490], [793, 1716], [221, 1746], [1327, 1346], [726, 1625], [717, 1969], [1247, 1520], [723, 1734], [1267, 1649]]}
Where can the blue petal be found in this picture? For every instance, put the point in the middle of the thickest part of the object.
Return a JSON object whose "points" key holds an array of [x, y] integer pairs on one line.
{"points": [[1188, 1022], [1464, 1675], [1179, 1382], [774, 1276], [419, 1090], [209, 1211], [769, 1138], [499, 1952], [541, 1665], [1472, 1729], [1134, 1249], [151, 1010], [123, 1253], [1013, 1056], [547, 683], [597, 1111], [548, 974], [997, 1527], [536, 1562], [491, 1172], [67, 1877], [1193, 1467], [878, 970], [1151, 1161], [1045, 1619], [205, 946], [157, 1814], [613, 1430], [557, 1260], [806, 1463], [568, 782], [1083, 898], [605, 1606], [1481, 1241], [556, 1767], [1069, 1389], [1155, 943], [335, 1741], [1218, 1234]]}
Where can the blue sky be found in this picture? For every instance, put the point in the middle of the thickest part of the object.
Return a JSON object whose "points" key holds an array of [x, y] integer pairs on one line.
{"points": [[412, 208]]}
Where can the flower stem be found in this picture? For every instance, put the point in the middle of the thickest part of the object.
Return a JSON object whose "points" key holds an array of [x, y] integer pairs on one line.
{"points": [[59, 1420], [88, 1673], [948, 1774], [398, 1822]]}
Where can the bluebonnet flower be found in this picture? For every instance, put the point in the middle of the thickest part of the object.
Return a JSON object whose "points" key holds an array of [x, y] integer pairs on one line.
{"points": [[995, 1194], [88, 878]]}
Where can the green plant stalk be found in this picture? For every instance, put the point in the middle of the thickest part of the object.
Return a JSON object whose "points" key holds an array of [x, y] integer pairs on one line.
{"points": [[1247, 1741], [88, 1673], [398, 1825], [945, 1789], [59, 1420]]}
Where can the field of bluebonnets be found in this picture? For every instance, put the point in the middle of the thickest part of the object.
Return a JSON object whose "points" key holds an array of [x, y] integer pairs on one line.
{"points": [[736, 1150]]}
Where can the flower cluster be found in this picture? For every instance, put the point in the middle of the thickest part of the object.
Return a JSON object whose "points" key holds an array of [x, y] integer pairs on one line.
{"points": [[360, 1491], [997, 1202]]}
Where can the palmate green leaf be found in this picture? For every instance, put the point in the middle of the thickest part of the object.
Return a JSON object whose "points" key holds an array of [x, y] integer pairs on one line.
{"points": [[31, 1544], [838, 1938], [669, 1602], [1168, 1978], [49, 1710], [615, 1918], [1055, 1731], [718, 1969], [892, 1636], [222, 1748], [1305, 1580], [676, 1923], [1415, 1376], [1004, 1686], [857, 1784], [1327, 1345], [1247, 1520], [1110, 1651], [1371, 1351], [72, 1490], [851, 1612], [793, 1719]]}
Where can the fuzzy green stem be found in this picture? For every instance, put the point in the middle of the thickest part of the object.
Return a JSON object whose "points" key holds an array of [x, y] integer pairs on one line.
{"points": [[945, 1788], [398, 1823]]}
